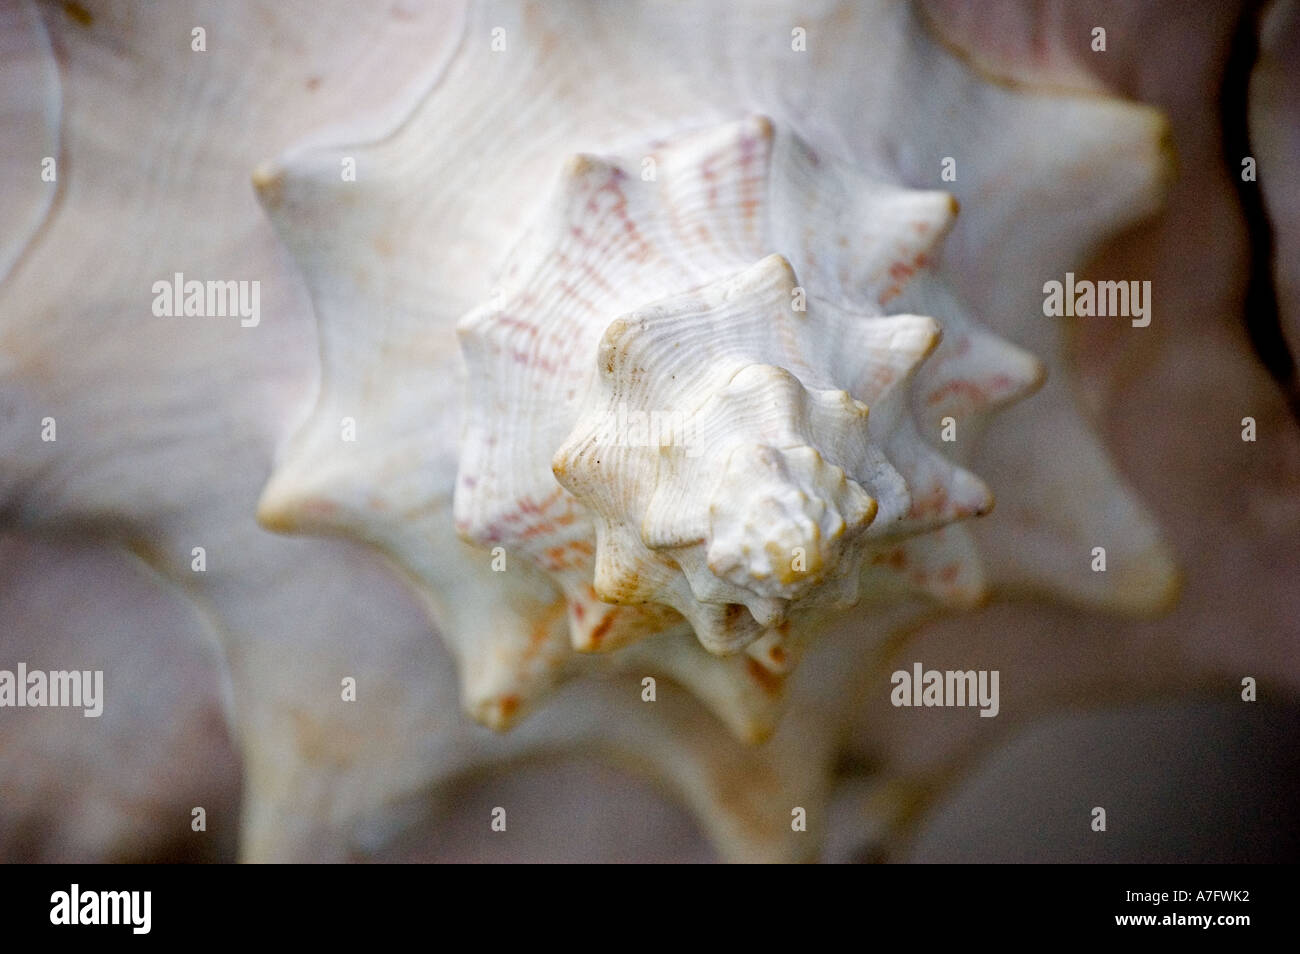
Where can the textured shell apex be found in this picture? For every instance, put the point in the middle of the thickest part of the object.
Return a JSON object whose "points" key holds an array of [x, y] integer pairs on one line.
{"points": [[390, 277], [673, 190], [765, 485], [718, 464]]}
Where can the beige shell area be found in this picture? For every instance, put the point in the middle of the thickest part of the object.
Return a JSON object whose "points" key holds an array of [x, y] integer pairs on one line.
{"points": [[30, 102], [167, 429], [1170, 408], [523, 110], [120, 784], [546, 360]]}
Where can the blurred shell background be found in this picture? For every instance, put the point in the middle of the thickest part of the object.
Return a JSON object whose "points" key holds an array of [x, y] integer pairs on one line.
{"points": [[167, 434]]}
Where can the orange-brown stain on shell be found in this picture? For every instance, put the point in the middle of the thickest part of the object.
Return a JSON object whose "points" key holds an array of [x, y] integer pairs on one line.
{"points": [[894, 559], [601, 629], [570, 555], [930, 503], [509, 706], [770, 682], [959, 388], [901, 273], [78, 14]]}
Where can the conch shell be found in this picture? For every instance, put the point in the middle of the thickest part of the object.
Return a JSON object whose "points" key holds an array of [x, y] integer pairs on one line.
{"points": [[766, 493], [777, 168], [660, 278]]}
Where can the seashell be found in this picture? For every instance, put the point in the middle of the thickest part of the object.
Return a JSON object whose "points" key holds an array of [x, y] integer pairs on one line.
{"points": [[31, 103], [856, 128], [727, 194], [158, 712], [706, 359]]}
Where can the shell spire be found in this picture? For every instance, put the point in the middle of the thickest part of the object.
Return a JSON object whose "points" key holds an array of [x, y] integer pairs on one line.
{"points": [[674, 427], [764, 485]]}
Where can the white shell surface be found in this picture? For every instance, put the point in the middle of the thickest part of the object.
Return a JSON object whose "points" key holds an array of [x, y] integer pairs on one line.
{"points": [[743, 349], [392, 261]]}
